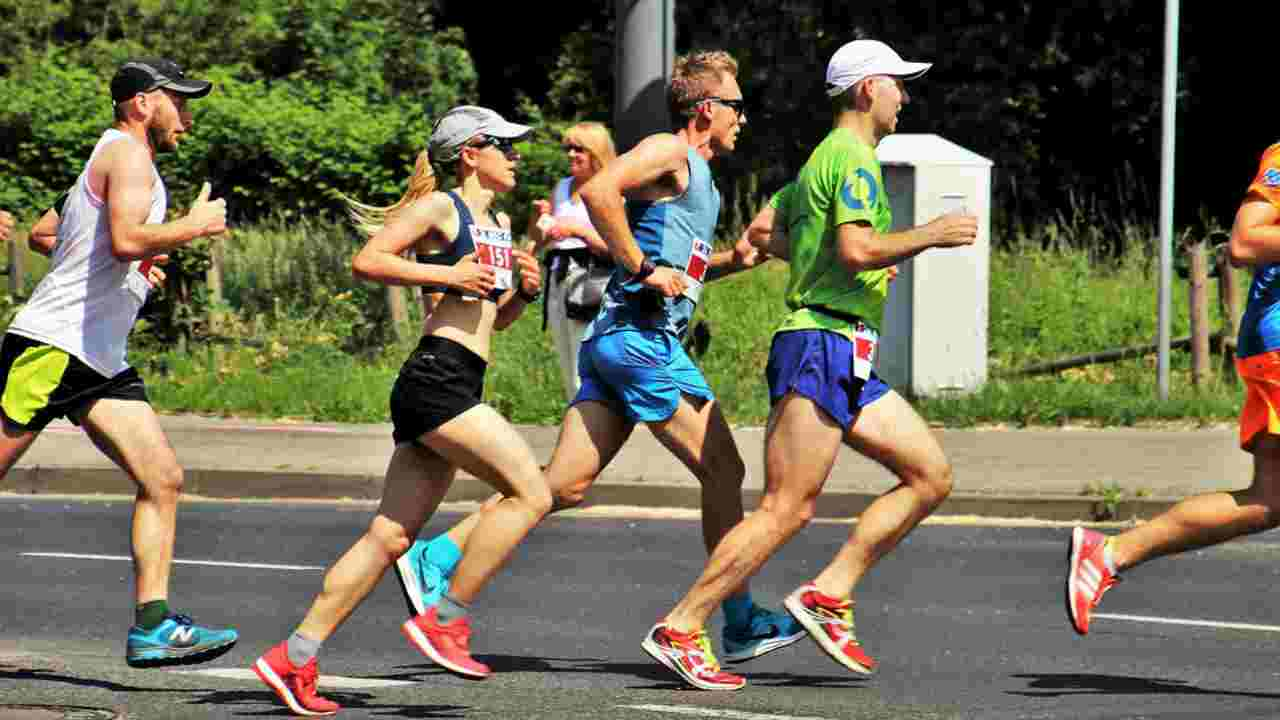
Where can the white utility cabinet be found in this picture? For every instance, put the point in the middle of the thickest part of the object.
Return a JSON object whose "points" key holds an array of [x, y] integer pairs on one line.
{"points": [[934, 338]]}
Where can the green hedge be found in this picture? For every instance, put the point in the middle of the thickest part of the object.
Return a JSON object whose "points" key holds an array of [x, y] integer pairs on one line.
{"points": [[271, 148]]}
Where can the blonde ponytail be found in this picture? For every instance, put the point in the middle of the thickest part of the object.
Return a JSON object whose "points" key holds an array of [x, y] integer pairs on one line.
{"points": [[370, 219]]}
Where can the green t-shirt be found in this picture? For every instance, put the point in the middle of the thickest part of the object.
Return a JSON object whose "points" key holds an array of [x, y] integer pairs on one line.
{"points": [[841, 183]]}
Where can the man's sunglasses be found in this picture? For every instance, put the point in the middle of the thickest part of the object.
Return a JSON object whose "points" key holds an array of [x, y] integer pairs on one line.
{"points": [[738, 105]]}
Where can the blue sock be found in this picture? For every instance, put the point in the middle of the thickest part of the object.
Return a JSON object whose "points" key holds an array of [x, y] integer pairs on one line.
{"points": [[737, 609], [444, 553]]}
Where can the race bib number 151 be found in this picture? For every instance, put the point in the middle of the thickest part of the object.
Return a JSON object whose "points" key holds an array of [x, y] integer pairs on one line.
{"points": [[493, 248]]}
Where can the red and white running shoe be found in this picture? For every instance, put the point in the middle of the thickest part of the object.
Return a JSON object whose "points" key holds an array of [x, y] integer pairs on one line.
{"points": [[829, 622], [689, 655], [448, 645], [296, 686], [1087, 577]]}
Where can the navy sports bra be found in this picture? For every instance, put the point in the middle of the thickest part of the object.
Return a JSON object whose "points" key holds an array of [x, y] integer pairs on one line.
{"points": [[487, 242]]}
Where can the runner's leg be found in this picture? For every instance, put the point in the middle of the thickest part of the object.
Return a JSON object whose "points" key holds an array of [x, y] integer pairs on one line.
{"points": [[129, 432], [1211, 518], [700, 437], [800, 448], [484, 444], [417, 480], [893, 434]]}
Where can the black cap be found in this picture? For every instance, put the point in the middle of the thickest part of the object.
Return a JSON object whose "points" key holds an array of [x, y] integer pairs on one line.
{"points": [[147, 74]]}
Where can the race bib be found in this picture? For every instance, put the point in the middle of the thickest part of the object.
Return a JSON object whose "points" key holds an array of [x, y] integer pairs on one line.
{"points": [[865, 341], [493, 249], [137, 281], [695, 269]]}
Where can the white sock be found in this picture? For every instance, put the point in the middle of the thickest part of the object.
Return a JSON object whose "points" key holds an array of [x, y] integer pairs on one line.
{"points": [[302, 648]]}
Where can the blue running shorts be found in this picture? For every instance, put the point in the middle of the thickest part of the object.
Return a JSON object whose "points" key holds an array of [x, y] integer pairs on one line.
{"points": [[639, 374], [819, 365]]}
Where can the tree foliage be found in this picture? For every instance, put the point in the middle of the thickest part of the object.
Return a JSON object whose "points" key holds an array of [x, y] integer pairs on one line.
{"points": [[316, 96]]}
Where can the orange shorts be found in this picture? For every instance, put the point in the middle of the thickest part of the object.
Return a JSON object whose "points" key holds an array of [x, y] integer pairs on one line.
{"points": [[1261, 412]]}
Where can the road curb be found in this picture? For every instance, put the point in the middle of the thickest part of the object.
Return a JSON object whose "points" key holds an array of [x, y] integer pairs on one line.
{"points": [[834, 503]]}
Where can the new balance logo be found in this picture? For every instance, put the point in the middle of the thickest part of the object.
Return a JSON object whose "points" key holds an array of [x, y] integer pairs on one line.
{"points": [[183, 636]]}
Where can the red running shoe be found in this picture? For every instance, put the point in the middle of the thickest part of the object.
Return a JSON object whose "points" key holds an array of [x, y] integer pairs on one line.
{"points": [[689, 655], [296, 686], [1087, 577], [830, 624], [448, 645]]}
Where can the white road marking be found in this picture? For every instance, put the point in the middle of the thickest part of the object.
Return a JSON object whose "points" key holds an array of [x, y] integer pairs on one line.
{"points": [[715, 712], [1196, 623], [334, 682], [212, 563]]}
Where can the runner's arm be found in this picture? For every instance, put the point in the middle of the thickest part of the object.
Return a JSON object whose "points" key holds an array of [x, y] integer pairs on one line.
{"points": [[129, 178], [859, 247], [743, 256], [44, 234], [1255, 235], [645, 164], [382, 258]]}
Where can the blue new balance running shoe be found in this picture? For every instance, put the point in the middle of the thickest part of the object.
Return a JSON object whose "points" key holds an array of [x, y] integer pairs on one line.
{"points": [[765, 632], [177, 641], [422, 581]]}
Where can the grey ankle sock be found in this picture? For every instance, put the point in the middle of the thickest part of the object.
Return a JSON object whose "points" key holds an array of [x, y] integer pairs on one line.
{"points": [[449, 609], [302, 648]]}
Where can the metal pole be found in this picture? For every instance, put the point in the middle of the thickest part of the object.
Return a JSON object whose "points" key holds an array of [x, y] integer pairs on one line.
{"points": [[644, 52], [1167, 132]]}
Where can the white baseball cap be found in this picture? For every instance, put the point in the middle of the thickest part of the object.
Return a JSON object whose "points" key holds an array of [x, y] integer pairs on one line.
{"points": [[464, 122], [861, 59]]}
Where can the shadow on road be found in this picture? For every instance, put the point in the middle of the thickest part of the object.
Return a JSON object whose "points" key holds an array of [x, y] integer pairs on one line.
{"points": [[38, 675], [348, 701], [777, 679], [1058, 685]]}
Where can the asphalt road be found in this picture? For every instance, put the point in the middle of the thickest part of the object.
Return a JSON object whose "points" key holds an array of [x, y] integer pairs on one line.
{"points": [[967, 622]]}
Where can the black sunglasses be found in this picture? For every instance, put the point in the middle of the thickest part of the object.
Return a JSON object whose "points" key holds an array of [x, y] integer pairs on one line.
{"points": [[738, 105], [506, 146]]}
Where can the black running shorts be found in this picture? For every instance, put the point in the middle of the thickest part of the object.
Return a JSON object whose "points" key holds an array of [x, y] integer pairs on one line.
{"points": [[440, 381], [39, 383]]}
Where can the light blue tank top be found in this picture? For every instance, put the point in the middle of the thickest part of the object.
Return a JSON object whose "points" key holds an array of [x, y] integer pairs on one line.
{"points": [[672, 233]]}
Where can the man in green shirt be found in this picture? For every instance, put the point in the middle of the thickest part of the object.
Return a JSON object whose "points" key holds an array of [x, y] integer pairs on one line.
{"points": [[836, 221]]}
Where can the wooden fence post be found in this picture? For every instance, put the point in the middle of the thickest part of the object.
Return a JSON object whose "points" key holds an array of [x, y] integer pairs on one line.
{"points": [[1229, 301], [213, 281], [1199, 278], [398, 310], [17, 273]]}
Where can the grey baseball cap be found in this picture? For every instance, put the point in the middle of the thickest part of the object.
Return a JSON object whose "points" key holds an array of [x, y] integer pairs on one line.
{"points": [[464, 122]]}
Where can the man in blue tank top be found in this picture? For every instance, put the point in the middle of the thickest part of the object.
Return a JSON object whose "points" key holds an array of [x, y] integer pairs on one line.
{"points": [[632, 365]]}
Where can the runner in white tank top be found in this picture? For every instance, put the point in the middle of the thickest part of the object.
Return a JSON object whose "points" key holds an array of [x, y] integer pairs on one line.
{"points": [[89, 300], [64, 354]]}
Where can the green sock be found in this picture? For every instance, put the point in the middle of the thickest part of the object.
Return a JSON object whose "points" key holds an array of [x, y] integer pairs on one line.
{"points": [[148, 615]]}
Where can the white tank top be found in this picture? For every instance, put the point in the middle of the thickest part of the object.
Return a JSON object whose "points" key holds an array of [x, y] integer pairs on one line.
{"points": [[88, 302], [563, 206]]}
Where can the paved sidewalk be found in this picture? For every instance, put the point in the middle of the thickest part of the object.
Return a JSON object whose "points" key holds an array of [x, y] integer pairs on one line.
{"points": [[1006, 473]]}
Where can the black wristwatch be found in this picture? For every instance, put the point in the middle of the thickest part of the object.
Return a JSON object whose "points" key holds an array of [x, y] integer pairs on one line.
{"points": [[527, 298], [646, 269]]}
